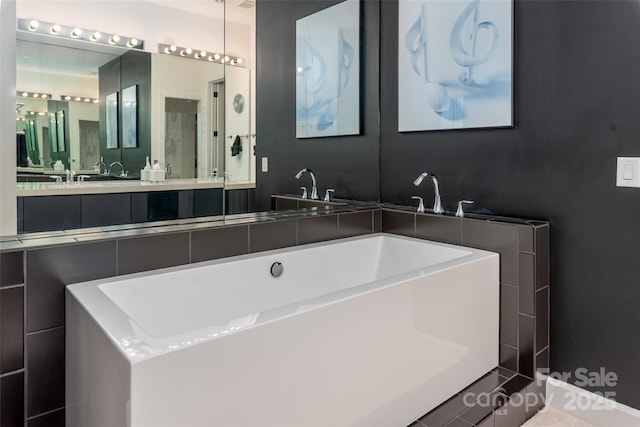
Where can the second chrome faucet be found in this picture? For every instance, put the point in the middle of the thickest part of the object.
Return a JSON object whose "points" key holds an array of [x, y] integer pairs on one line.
{"points": [[437, 203], [314, 189]]}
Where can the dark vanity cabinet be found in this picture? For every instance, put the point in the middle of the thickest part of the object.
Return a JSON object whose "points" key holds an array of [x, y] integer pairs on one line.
{"points": [[64, 212]]}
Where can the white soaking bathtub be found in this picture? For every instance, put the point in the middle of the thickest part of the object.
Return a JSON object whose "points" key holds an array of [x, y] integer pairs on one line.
{"points": [[367, 331]]}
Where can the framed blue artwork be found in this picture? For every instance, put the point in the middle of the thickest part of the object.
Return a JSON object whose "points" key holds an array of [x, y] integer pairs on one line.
{"points": [[129, 111], [328, 72], [455, 66]]}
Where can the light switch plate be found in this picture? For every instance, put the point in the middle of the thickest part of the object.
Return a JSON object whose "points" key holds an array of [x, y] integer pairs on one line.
{"points": [[628, 172], [265, 164]]}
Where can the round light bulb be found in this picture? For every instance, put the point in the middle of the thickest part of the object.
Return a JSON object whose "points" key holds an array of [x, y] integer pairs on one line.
{"points": [[87, 100], [43, 96], [114, 39], [216, 56], [96, 36], [96, 101], [67, 98], [132, 42], [189, 51], [210, 58], [35, 95], [239, 61], [167, 50], [77, 99], [25, 94], [183, 52], [55, 29], [76, 33], [226, 59], [173, 48], [33, 25]]}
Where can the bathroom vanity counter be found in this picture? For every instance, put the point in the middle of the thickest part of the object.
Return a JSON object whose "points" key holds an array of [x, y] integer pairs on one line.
{"points": [[28, 189]]}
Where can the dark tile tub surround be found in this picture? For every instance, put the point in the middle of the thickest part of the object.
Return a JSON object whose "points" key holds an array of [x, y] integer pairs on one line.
{"points": [[524, 307], [54, 260]]}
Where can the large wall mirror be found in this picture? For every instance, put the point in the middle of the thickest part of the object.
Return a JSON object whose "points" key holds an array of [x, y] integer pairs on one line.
{"points": [[198, 57]]}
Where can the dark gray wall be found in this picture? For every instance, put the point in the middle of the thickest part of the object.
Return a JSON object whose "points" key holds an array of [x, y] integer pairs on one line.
{"points": [[576, 103], [349, 164], [576, 108]]}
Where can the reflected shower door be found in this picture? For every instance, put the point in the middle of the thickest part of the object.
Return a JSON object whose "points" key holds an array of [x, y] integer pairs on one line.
{"points": [[181, 135]]}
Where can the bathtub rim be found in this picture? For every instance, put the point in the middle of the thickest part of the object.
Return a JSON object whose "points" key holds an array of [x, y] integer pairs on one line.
{"points": [[107, 314]]}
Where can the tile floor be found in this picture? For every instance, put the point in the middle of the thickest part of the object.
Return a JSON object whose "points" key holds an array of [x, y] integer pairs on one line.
{"points": [[550, 417]]}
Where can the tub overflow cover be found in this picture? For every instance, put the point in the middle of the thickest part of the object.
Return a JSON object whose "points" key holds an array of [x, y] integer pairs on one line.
{"points": [[277, 269]]}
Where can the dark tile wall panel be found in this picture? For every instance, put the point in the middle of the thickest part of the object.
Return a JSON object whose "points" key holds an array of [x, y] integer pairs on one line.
{"points": [[509, 315], [49, 270], [11, 329], [11, 268], [53, 419], [219, 243], [439, 228], [496, 237], [526, 285], [152, 252], [508, 357], [12, 400], [542, 319], [317, 229], [526, 346], [525, 239], [355, 224], [402, 223], [377, 221], [542, 256], [46, 371], [281, 204], [272, 235]]}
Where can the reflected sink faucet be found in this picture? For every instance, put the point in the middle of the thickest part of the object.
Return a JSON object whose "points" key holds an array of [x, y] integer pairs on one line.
{"points": [[314, 189], [122, 171], [100, 164], [437, 204]]}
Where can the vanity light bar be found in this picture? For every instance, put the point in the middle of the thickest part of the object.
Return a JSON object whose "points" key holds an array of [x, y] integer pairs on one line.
{"points": [[203, 55], [92, 36], [34, 95], [83, 99]]}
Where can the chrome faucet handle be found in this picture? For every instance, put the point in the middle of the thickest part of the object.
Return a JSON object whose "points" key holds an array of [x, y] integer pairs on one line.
{"points": [[420, 205], [57, 178], [327, 194], [460, 210], [81, 178], [304, 192]]}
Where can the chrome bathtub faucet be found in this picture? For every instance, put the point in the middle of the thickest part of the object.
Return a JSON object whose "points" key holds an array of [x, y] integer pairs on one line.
{"points": [[460, 211], [420, 204], [437, 204], [314, 188]]}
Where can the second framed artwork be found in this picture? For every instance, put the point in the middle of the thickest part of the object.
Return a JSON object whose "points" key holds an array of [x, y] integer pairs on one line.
{"points": [[455, 64], [130, 117], [328, 72]]}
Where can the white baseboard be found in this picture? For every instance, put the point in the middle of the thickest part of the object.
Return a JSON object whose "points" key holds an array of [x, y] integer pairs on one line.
{"points": [[589, 406]]}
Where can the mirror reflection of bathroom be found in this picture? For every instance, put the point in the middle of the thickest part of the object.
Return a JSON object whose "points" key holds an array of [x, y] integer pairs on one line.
{"points": [[239, 157], [181, 138]]}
